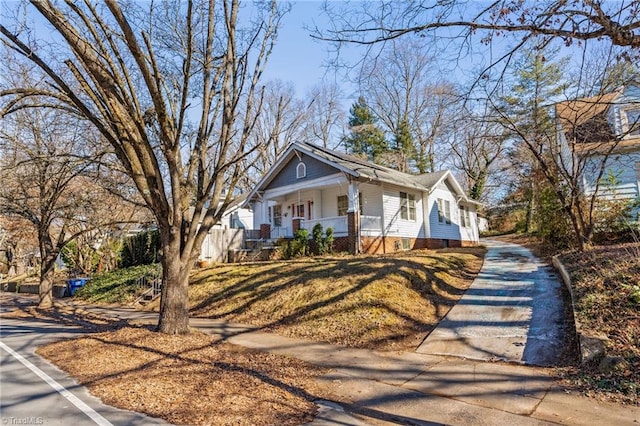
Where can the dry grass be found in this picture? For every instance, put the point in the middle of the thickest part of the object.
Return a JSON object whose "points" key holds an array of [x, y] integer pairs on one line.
{"points": [[378, 302], [191, 380]]}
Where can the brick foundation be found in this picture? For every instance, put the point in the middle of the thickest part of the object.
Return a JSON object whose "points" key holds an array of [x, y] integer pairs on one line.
{"points": [[265, 231], [381, 245], [352, 231]]}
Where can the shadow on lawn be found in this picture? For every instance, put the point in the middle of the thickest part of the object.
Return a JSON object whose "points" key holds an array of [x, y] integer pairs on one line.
{"points": [[318, 291]]}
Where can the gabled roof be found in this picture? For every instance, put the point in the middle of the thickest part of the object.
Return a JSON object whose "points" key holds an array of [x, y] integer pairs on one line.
{"points": [[585, 120], [360, 169]]}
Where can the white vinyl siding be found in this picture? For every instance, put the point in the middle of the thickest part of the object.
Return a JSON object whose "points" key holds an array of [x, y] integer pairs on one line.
{"points": [[442, 195], [470, 231], [393, 224], [371, 200], [623, 168]]}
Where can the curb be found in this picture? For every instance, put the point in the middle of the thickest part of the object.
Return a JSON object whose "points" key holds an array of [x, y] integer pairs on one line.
{"points": [[591, 347]]}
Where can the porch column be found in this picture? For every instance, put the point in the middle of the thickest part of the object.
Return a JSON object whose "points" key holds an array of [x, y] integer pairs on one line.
{"points": [[265, 225], [353, 219], [296, 225]]}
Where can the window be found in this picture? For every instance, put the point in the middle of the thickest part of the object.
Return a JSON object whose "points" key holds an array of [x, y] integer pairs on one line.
{"points": [[300, 210], [465, 220], [633, 122], [343, 204], [407, 206], [277, 215], [444, 211], [301, 170]]}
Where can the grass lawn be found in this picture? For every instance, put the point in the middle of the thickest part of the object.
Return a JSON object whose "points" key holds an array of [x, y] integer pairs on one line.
{"points": [[379, 302]]}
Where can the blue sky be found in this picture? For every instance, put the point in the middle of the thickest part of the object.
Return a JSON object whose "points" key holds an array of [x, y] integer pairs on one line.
{"points": [[299, 58]]}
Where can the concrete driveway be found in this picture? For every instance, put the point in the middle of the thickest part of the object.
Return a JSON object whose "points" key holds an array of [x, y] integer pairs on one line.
{"points": [[513, 311]]}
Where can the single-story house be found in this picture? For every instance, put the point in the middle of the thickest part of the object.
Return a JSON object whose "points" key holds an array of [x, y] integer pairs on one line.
{"points": [[603, 129], [371, 208]]}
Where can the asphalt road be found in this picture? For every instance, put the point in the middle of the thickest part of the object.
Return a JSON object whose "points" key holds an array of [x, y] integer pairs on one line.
{"points": [[34, 392]]}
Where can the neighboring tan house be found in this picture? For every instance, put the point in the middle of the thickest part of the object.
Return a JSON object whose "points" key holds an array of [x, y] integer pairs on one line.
{"points": [[371, 208], [591, 130]]}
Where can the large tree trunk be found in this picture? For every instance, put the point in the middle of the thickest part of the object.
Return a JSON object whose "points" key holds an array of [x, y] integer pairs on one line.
{"points": [[47, 268], [45, 291], [174, 300]]}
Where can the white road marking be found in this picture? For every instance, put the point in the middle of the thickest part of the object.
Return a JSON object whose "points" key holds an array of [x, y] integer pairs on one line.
{"points": [[90, 412]]}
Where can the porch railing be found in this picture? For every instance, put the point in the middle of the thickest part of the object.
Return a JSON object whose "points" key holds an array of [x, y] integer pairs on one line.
{"points": [[280, 232], [337, 223]]}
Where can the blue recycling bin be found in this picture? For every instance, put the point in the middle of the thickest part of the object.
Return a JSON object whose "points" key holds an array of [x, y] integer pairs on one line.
{"points": [[74, 284]]}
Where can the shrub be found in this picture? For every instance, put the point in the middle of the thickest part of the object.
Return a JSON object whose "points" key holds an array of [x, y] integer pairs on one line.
{"points": [[140, 249], [119, 286], [79, 259]]}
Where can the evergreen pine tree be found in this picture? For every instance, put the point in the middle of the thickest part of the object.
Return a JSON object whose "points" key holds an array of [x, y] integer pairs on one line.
{"points": [[404, 146], [365, 136]]}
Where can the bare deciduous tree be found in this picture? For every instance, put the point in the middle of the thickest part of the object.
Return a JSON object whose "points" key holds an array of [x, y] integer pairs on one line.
{"points": [[400, 86], [477, 146], [618, 21], [47, 179], [172, 87], [324, 114]]}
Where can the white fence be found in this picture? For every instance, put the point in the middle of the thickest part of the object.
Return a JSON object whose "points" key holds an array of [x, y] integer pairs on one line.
{"points": [[218, 242]]}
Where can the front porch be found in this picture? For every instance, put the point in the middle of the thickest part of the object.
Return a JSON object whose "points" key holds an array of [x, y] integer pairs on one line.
{"points": [[366, 226]]}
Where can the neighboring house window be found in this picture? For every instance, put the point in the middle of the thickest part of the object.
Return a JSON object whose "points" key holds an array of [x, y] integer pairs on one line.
{"points": [[444, 211], [407, 206], [301, 170], [277, 215], [633, 121], [465, 221], [343, 204]]}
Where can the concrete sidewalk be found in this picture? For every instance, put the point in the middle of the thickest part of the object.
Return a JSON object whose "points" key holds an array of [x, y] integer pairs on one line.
{"points": [[419, 389]]}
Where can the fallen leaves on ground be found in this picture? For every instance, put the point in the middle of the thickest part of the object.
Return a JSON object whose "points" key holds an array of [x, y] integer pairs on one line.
{"points": [[606, 287], [192, 379]]}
